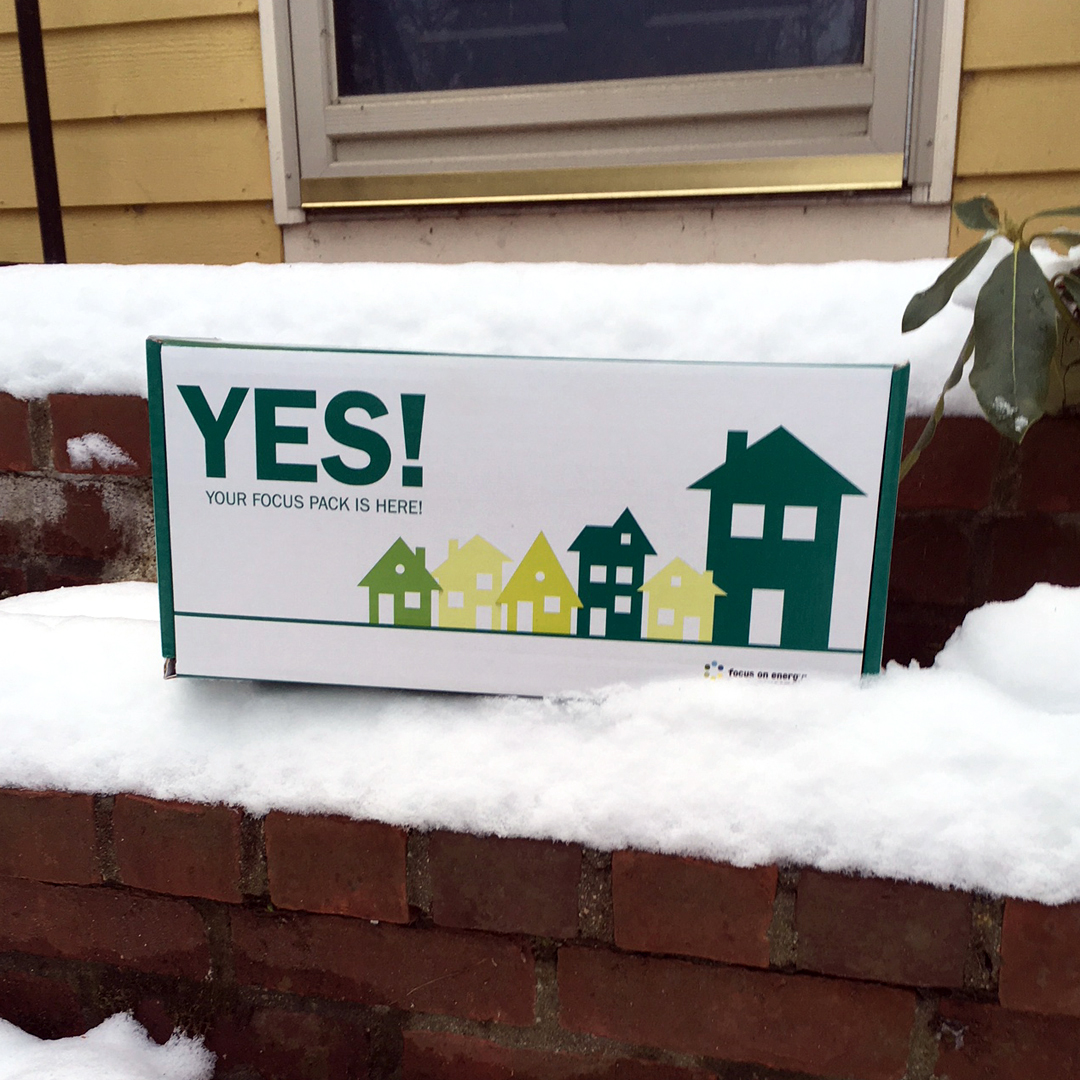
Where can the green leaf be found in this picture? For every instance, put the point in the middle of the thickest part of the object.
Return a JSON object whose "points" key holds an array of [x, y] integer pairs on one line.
{"points": [[1015, 330], [979, 213], [1061, 211], [1060, 239], [925, 305], [939, 409]]}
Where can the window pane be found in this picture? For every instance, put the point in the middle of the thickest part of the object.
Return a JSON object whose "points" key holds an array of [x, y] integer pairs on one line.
{"points": [[393, 46]]}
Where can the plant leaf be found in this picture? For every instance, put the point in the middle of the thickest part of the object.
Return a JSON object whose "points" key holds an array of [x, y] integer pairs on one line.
{"points": [[978, 213], [1061, 211], [1061, 240], [925, 305], [1016, 333], [927, 432]]}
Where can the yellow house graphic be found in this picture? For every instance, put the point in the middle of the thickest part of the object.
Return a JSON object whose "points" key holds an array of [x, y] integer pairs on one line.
{"points": [[680, 603], [471, 580], [539, 598]]}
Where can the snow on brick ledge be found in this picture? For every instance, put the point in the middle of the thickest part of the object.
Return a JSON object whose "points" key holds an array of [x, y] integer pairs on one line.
{"points": [[962, 775], [840, 313]]}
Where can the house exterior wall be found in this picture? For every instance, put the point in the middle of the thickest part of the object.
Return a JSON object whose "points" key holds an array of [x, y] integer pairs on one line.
{"points": [[1018, 140], [160, 133]]}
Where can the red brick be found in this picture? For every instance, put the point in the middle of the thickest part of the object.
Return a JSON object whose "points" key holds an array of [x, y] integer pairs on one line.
{"points": [[1029, 549], [433, 1055], [1050, 466], [159, 1019], [337, 866], [178, 848], [918, 631], [84, 530], [956, 471], [43, 1007], [12, 581], [665, 904], [121, 419], [16, 454], [48, 836], [983, 1042], [888, 931], [509, 886], [276, 1044], [931, 560], [799, 1022], [470, 975], [1040, 958], [101, 925]]}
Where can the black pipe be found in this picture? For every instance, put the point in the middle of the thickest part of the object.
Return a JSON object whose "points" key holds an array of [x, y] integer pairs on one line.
{"points": [[39, 120]]}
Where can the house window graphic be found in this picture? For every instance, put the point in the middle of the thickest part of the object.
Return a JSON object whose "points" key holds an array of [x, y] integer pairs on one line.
{"points": [[774, 524]]}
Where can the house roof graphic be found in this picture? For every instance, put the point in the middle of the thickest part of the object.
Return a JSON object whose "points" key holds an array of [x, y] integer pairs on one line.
{"points": [[538, 575], [777, 466], [400, 569], [461, 565], [608, 537]]}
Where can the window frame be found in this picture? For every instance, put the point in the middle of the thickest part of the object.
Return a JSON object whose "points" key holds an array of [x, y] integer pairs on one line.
{"points": [[882, 125]]}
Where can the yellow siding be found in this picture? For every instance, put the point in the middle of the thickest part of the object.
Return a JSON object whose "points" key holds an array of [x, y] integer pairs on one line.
{"points": [[1018, 139], [1021, 34], [66, 14], [1017, 122], [169, 159], [193, 233], [160, 133], [143, 69]]}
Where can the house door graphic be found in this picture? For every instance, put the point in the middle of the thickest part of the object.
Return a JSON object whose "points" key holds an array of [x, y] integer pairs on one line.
{"points": [[386, 609], [524, 616], [766, 616]]}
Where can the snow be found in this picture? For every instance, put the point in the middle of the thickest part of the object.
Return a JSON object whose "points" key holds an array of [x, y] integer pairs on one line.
{"points": [[82, 329], [118, 1049], [964, 774], [86, 451]]}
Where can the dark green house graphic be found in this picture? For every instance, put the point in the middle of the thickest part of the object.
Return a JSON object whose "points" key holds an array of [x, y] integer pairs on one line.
{"points": [[400, 588], [774, 519], [611, 570]]}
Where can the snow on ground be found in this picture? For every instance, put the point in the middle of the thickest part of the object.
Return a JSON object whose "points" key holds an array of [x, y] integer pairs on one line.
{"points": [[963, 774], [118, 1049], [82, 329]]}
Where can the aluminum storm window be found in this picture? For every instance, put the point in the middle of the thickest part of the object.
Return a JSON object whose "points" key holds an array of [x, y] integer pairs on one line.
{"points": [[445, 101]]}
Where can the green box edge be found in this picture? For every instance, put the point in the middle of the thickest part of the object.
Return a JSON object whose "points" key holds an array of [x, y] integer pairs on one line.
{"points": [[155, 396], [874, 638]]}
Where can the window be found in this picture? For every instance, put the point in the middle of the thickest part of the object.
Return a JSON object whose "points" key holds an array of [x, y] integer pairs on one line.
{"points": [[665, 616], [454, 599], [747, 521], [552, 605], [800, 522], [412, 600], [623, 605], [597, 574], [397, 102], [624, 575], [483, 582]]}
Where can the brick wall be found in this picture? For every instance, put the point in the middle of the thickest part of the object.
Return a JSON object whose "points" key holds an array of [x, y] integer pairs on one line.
{"points": [[73, 522], [318, 948], [978, 518]]}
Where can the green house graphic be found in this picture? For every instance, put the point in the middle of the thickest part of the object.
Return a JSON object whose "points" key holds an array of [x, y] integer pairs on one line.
{"points": [[400, 588], [471, 580], [539, 598], [611, 570], [774, 520]]}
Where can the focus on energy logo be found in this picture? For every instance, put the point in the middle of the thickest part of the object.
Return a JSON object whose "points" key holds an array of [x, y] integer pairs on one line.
{"points": [[714, 670]]}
